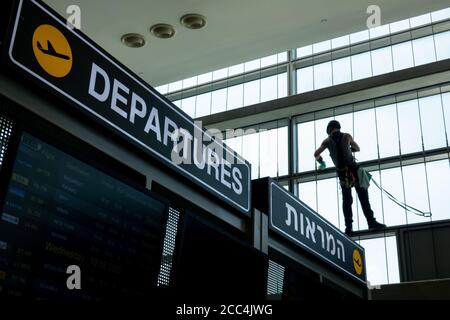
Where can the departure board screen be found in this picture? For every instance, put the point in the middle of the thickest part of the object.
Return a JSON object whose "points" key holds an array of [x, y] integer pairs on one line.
{"points": [[58, 212]]}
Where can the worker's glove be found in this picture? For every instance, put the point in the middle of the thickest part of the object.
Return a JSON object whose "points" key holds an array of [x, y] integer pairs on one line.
{"points": [[322, 166]]}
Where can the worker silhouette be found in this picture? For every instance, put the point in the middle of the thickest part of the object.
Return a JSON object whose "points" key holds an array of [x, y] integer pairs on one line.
{"points": [[341, 145]]}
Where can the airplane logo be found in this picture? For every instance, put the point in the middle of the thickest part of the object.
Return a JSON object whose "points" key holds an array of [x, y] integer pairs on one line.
{"points": [[51, 51], [357, 262]]}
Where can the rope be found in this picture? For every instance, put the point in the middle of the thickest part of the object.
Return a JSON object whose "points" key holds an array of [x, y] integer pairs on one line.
{"points": [[401, 204]]}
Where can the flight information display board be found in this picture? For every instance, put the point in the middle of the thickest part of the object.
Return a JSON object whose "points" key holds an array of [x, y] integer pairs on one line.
{"points": [[59, 211]]}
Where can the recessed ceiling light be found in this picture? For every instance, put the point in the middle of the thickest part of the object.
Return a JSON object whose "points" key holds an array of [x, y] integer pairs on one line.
{"points": [[133, 40], [163, 31], [193, 21]]}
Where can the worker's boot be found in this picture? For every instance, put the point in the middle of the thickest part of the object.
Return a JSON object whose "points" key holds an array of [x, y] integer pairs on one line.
{"points": [[349, 232], [375, 225]]}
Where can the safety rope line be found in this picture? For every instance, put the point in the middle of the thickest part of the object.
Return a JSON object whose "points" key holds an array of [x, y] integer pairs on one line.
{"points": [[400, 153], [381, 193], [424, 159], [315, 162], [401, 204], [336, 179]]}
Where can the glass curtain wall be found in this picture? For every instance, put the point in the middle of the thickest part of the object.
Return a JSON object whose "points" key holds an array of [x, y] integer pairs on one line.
{"points": [[403, 138], [404, 145]]}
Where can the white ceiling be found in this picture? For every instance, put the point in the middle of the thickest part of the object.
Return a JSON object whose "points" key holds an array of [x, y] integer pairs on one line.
{"points": [[237, 30]]}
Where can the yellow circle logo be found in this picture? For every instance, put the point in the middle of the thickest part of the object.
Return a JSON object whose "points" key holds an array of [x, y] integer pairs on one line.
{"points": [[357, 262], [52, 51]]}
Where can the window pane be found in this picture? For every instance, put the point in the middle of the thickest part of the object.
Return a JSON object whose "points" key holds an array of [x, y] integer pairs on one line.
{"points": [[424, 50], [177, 103], [268, 153], [190, 82], [366, 135], [306, 146], [235, 97], [203, 105], [446, 105], [252, 65], [359, 36], [188, 106], [432, 122], [342, 71], [322, 75], [340, 42], [220, 74], [399, 26], [282, 85], [307, 194], [251, 92], [328, 200], [438, 180], [304, 51], [204, 78], [282, 57], [403, 55], [235, 144], [250, 151], [305, 80], [416, 193], [163, 89], [379, 31], [375, 260], [410, 134], [442, 41], [268, 61], [237, 69], [322, 46], [382, 61], [238, 145], [420, 20], [391, 181], [269, 88], [175, 86], [346, 121], [440, 15], [219, 101], [283, 151], [381, 260], [321, 135], [361, 66], [387, 129]]}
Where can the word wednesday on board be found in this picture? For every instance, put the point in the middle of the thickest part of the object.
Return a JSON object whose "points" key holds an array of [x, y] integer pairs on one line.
{"points": [[295, 221], [68, 64]]}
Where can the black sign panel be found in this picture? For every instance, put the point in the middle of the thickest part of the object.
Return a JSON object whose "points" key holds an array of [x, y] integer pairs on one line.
{"points": [[70, 65], [295, 221]]}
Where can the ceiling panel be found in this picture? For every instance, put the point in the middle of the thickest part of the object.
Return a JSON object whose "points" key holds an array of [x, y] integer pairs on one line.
{"points": [[237, 30]]}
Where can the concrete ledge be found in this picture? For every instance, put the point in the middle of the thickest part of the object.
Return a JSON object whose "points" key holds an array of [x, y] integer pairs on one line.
{"points": [[419, 290]]}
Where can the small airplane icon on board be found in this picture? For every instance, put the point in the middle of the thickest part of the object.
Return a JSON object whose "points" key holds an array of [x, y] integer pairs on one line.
{"points": [[51, 51]]}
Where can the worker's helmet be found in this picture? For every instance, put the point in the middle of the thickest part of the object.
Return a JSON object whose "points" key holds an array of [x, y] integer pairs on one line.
{"points": [[333, 124]]}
